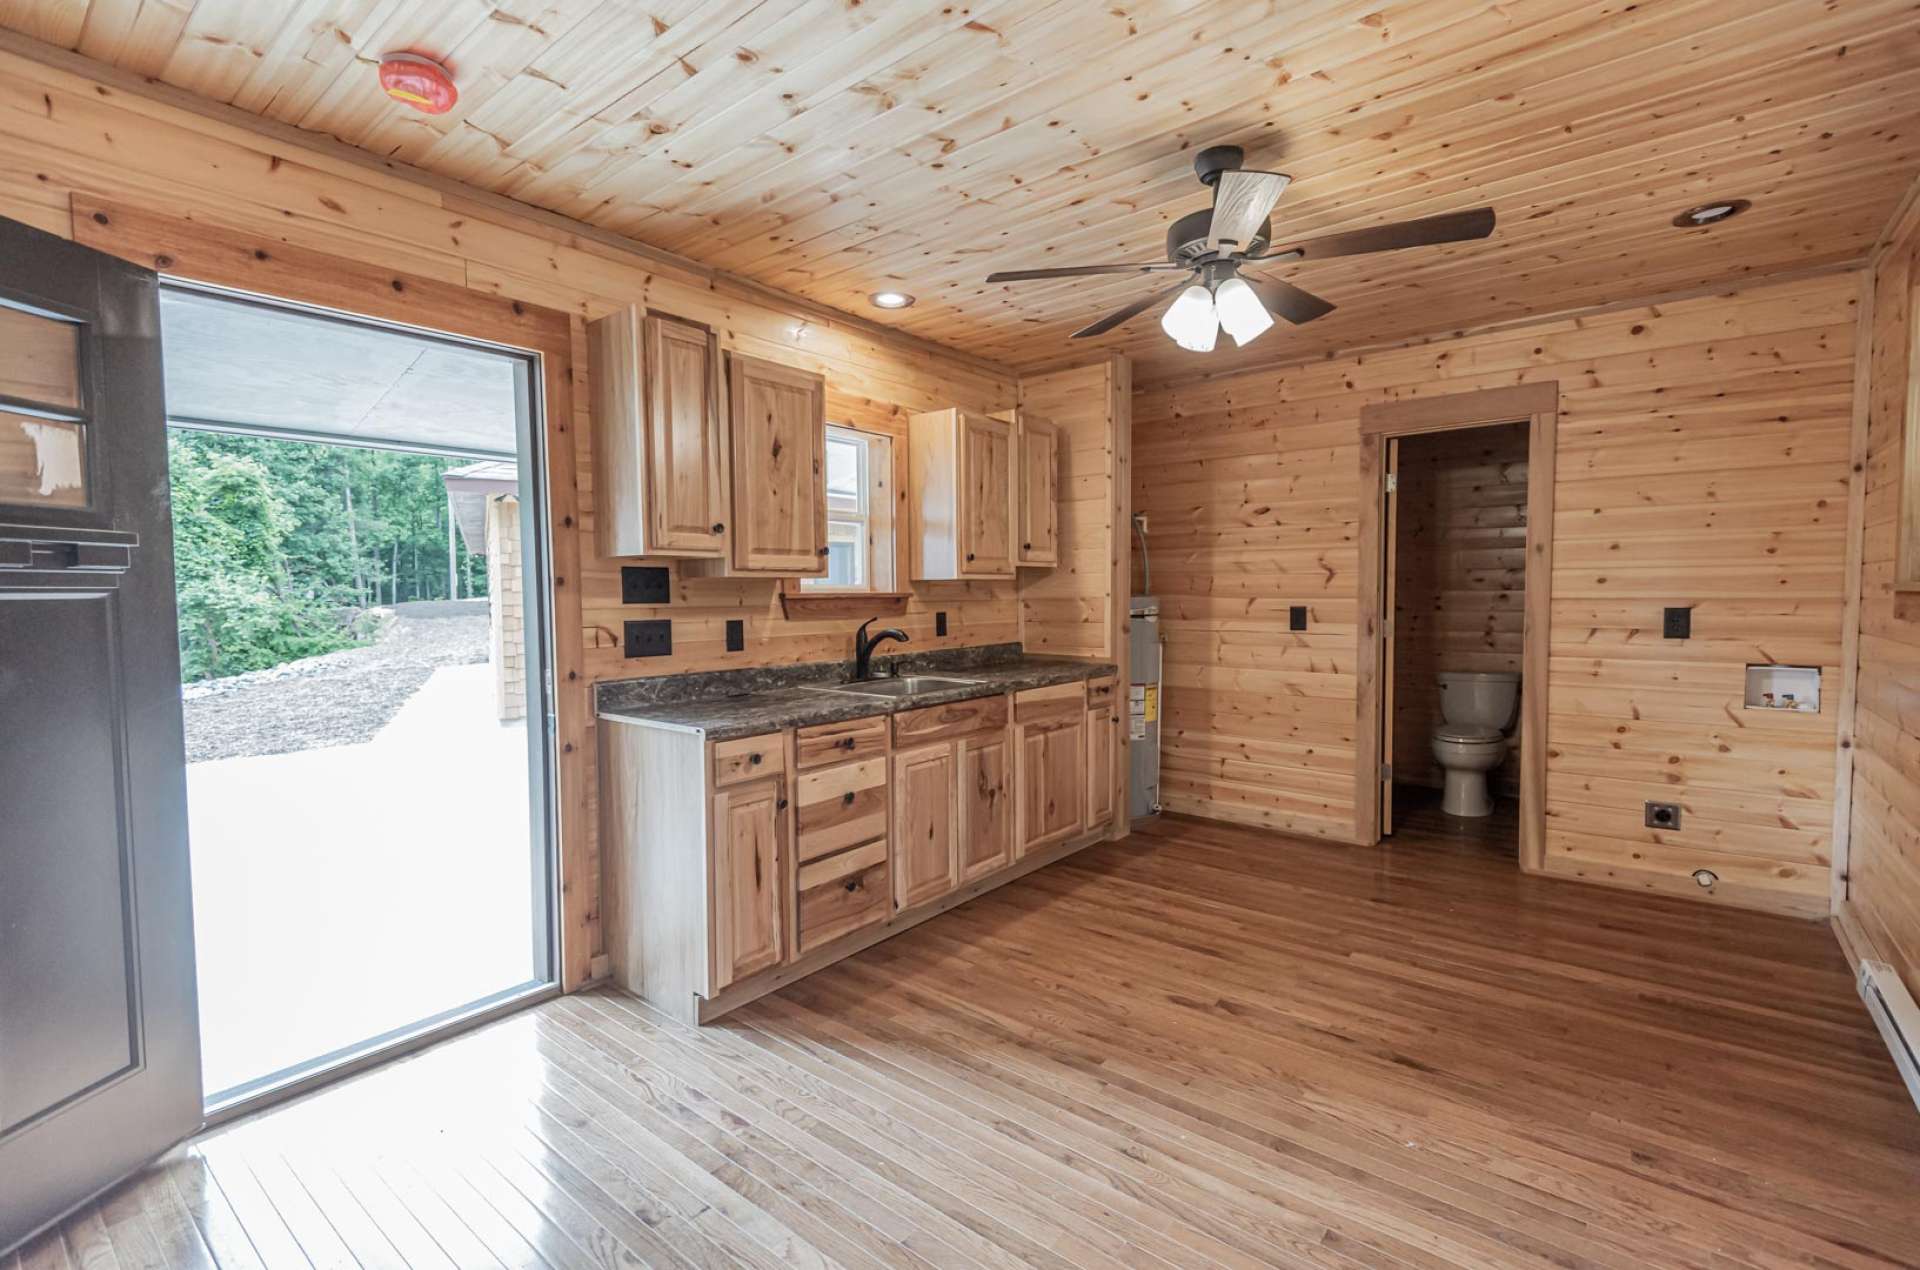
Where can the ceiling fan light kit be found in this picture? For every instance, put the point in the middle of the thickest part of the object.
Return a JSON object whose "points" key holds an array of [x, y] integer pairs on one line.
{"points": [[1212, 246]]}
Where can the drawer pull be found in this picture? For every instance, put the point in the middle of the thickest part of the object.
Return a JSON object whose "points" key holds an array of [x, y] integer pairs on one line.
{"points": [[846, 799], [853, 884], [754, 758]]}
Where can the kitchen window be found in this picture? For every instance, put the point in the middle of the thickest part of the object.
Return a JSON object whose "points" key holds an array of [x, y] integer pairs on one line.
{"points": [[860, 552]]}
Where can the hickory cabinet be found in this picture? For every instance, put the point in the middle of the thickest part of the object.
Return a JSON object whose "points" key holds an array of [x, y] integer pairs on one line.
{"points": [[729, 478], [777, 424], [1103, 749], [960, 496], [660, 461], [733, 866], [1050, 755], [1036, 492]]}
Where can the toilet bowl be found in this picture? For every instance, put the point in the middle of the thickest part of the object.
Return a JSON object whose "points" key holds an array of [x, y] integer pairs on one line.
{"points": [[1477, 707]]}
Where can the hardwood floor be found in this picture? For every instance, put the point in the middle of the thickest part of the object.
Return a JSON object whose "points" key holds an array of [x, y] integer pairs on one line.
{"points": [[1204, 1045]]}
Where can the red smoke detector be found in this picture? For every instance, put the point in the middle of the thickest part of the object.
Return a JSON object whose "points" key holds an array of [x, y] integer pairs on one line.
{"points": [[418, 81]]}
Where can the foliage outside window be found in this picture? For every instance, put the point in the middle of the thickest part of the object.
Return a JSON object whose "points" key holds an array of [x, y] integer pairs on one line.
{"points": [[859, 513]]}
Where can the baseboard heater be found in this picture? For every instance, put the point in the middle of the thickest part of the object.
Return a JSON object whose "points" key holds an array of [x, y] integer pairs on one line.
{"points": [[1897, 1017]]}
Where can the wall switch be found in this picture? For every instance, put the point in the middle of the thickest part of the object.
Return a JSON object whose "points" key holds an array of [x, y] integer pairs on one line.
{"points": [[1678, 624], [645, 584], [649, 639], [1297, 618], [736, 635], [940, 622], [1663, 815]]}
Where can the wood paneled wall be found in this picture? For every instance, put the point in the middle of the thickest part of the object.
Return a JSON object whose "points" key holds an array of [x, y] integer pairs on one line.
{"points": [[1880, 908], [1703, 461], [1071, 610], [63, 135], [1460, 572]]}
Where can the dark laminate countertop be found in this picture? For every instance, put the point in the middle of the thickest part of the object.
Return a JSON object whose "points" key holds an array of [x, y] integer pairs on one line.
{"points": [[727, 704]]}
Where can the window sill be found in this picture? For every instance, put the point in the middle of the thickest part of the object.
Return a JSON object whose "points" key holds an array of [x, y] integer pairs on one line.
{"points": [[800, 604]]}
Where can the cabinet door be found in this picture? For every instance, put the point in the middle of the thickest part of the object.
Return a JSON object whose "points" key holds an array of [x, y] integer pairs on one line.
{"points": [[687, 454], [986, 495], [1101, 724], [924, 863], [1051, 779], [779, 469], [1038, 482], [985, 796], [749, 849]]}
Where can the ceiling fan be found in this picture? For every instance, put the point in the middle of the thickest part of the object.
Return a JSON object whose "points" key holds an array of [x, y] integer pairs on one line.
{"points": [[1212, 246]]}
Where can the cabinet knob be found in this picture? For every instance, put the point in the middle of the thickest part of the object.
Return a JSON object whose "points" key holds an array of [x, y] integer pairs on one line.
{"points": [[853, 884], [823, 551], [845, 743], [719, 527], [781, 805], [1026, 546], [846, 799], [969, 555], [754, 758]]}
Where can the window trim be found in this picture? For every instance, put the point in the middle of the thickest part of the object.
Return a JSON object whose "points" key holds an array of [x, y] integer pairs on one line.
{"points": [[883, 519]]}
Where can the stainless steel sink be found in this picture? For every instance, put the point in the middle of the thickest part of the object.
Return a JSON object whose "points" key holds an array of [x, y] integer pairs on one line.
{"points": [[906, 686]]}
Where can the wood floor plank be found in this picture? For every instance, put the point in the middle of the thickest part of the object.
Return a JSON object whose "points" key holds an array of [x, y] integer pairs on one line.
{"points": [[1205, 1045]]}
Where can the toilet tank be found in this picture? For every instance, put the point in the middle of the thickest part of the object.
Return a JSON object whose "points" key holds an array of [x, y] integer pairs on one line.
{"points": [[1488, 698]]}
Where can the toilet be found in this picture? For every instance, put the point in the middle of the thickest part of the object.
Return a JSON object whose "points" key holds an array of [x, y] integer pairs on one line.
{"points": [[1477, 708]]}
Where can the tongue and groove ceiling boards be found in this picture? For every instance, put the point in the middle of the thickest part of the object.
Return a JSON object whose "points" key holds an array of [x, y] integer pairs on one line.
{"points": [[833, 148]]}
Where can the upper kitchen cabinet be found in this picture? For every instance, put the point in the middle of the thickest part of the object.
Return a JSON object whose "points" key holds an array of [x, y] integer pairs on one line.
{"points": [[778, 424], [1036, 492], [660, 466], [961, 496]]}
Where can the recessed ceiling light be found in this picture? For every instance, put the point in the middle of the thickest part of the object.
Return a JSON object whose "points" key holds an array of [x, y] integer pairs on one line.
{"points": [[1711, 213], [890, 299]]}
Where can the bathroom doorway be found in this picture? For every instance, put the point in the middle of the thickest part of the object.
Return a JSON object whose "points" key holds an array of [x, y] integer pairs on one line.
{"points": [[1456, 553]]}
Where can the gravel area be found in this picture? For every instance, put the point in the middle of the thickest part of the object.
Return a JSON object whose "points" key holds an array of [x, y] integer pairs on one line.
{"points": [[340, 698]]}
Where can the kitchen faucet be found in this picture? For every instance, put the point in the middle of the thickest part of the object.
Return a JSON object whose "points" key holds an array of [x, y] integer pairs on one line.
{"points": [[863, 648]]}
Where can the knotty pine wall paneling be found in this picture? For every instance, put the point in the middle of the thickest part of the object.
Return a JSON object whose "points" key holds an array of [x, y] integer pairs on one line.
{"points": [[66, 138], [1880, 908], [1702, 460], [1460, 580]]}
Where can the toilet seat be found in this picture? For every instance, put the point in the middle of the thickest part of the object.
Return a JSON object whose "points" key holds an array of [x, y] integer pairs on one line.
{"points": [[1467, 733]]}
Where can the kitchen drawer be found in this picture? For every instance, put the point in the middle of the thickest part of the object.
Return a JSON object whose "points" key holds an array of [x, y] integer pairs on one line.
{"points": [[842, 893], [841, 806], [1100, 692], [1060, 701], [748, 758], [959, 718], [825, 743]]}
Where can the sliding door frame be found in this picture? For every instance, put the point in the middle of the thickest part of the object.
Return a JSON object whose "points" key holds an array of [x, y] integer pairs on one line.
{"points": [[1537, 405]]}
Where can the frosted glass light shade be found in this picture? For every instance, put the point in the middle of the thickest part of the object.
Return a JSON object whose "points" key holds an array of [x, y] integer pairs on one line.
{"points": [[1191, 321], [1240, 311]]}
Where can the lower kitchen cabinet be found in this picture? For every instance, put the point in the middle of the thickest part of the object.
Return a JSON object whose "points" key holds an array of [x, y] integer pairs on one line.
{"points": [[925, 838], [749, 854], [985, 804], [1103, 746], [733, 866], [1050, 755]]}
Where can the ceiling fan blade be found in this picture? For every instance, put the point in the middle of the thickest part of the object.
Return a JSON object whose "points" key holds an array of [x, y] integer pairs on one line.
{"points": [[1134, 310], [1285, 300], [1241, 202], [1080, 271], [1449, 227]]}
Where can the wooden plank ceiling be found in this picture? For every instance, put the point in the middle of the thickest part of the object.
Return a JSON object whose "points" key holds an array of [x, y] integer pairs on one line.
{"points": [[833, 148]]}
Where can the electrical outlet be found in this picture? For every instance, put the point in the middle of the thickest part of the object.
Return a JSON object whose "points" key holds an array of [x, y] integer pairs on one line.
{"points": [[1663, 815], [1678, 624], [645, 584], [940, 622], [649, 639], [1297, 617], [736, 635]]}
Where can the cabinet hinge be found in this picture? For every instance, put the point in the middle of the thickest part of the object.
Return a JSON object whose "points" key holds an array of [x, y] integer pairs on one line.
{"points": [[1386, 771], [1393, 482]]}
